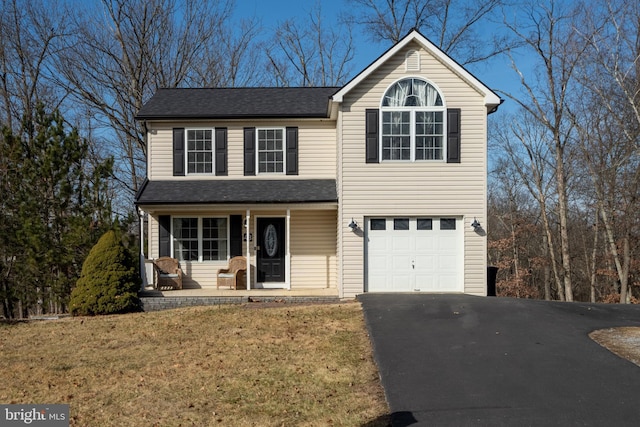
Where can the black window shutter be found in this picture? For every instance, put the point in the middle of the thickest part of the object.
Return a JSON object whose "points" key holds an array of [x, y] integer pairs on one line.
{"points": [[165, 235], [221, 151], [235, 234], [292, 151], [453, 135], [178, 152], [249, 151], [372, 117]]}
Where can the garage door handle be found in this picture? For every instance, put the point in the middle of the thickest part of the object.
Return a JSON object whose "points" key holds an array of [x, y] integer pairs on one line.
{"points": [[413, 265]]}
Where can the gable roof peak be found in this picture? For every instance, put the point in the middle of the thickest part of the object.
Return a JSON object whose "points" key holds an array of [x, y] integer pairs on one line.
{"points": [[492, 100]]}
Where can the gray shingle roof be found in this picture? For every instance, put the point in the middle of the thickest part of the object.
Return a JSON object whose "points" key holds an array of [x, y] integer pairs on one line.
{"points": [[226, 103], [237, 191]]}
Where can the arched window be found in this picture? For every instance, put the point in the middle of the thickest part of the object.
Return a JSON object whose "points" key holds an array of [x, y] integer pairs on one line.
{"points": [[412, 121]]}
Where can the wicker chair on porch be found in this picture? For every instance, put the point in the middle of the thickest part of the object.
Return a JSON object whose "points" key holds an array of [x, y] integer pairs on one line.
{"points": [[235, 275], [168, 273]]}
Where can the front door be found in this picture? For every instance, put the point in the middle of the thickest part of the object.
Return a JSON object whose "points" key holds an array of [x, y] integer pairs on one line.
{"points": [[271, 252]]}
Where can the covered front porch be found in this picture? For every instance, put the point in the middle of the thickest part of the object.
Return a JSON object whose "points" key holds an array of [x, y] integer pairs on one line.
{"points": [[289, 242]]}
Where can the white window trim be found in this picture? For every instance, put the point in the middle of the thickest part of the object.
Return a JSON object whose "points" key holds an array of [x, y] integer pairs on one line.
{"points": [[412, 124], [284, 150], [186, 152], [200, 229]]}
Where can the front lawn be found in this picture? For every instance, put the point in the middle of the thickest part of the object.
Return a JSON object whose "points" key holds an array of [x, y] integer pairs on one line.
{"points": [[224, 365]]}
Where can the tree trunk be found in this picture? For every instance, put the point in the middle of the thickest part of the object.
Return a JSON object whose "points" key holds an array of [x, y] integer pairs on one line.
{"points": [[547, 269], [622, 268], [594, 259], [625, 294], [552, 249], [563, 213]]}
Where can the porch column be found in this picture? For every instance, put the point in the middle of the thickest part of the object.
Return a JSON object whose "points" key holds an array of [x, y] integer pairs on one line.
{"points": [[288, 246], [249, 243], [143, 268]]}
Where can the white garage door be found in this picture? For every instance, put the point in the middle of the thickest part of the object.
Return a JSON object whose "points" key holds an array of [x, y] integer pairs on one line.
{"points": [[414, 254]]}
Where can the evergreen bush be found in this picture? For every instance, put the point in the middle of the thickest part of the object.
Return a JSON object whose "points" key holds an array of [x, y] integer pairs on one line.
{"points": [[109, 281]]}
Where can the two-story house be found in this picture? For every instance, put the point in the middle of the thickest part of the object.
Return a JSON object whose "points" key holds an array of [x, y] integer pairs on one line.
{"points": [[376, 186]]}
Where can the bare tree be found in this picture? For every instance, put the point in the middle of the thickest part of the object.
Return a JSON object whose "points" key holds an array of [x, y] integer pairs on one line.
{"points": [[607, 116], [309, 53], [453, 25], [236, 62], [29, 32], [514, 234], [547, 34], [523, 141], [125, 50], [613, 36]]}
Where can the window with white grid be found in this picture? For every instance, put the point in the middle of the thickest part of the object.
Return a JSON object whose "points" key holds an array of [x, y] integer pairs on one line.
{"points": [[199, 151], [200, 239], [270, 150]]}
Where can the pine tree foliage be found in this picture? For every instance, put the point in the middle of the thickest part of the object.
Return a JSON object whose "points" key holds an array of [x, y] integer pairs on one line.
{"points": [[54, 206], [109, 280]]}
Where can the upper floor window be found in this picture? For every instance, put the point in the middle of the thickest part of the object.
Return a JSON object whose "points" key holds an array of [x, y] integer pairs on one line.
{"points": [[271, 150], [413, 122], [199, 151]]}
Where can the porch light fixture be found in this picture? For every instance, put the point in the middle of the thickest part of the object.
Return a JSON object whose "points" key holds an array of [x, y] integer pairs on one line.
{"points": [[353, 225], [476, 224]]}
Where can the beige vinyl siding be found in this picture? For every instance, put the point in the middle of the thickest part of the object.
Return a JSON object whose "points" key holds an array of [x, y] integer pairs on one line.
{"points": [[316, 148], [312, 247], [413, 188], [153, 237]]}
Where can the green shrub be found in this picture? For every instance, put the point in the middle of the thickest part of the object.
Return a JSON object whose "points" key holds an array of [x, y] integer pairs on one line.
{"points": [[109, 281]]}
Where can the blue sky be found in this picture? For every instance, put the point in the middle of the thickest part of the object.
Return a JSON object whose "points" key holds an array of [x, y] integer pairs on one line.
{"points": [[271, 12]]}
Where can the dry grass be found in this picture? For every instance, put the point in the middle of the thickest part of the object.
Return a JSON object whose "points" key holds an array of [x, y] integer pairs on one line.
{"points": [[623, 341], [230, 365]]}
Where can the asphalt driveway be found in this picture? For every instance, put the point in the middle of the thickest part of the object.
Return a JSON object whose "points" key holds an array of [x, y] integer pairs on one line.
{"points": [[460, 360]]}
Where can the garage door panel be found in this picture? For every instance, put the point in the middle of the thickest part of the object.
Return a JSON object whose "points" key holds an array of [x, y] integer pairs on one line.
{"points": [[400, 265], [400, 283], [447, 244], [424, 282], [447, 263], [400, 243], [425, 243], [377, 282], [425, 263]]}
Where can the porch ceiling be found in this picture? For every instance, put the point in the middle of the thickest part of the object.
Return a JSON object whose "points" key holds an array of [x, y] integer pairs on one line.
{"points": [[237, 191]]}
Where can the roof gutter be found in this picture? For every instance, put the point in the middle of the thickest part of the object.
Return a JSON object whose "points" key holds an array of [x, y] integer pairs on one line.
{"points": [[495, 108]]}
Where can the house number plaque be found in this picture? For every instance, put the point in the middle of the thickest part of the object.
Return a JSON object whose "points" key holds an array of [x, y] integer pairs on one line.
{"points": [[270, 240]]}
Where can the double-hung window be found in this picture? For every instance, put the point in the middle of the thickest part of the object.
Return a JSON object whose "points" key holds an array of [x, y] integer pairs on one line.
{"points": [[271, 150], [200, 239], [199, 151], [412, 122]]}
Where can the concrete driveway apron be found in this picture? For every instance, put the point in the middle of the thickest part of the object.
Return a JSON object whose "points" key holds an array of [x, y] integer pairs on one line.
{"points": [[458, 360]]}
